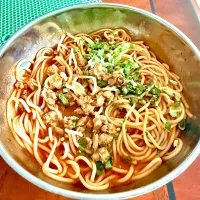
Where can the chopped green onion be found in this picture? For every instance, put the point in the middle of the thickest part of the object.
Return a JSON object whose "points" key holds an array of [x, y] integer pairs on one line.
{"points": [[133, 101], [168, 126], [117, 59], [76, 49], [168, 91], [100, 52], [80, 40], [74, 121], [102, 83], [134, 84], [127, 72], [65, 90], [107, 53], [81, 149], [75, 118], [109, 163], [139, 89], [149, 86], [177, 103], [155, 91], [135, 76], [132, 88], [89, 41], [123, 90], [110, 69], [82, 142], [181, 124], [142, 101], [83, 53], [64, 85], [132, 45], [64, 100], [128, 66], [86, 72], [135, 65], [117, 68], [109, 57], [99, 45], [100, 167], [123, 46], [154, 99], [175, 111], [77, 39]]}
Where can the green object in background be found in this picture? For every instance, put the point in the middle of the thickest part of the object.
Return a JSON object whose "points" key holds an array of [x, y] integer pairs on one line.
{"points": [[16, 13]]}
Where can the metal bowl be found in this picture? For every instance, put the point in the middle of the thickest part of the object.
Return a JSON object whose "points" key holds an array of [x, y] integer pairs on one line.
{"points": [[169, 44]]}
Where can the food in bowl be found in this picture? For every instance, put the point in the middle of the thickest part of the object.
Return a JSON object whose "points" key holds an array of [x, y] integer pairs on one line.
{"points": [[98, 110]]}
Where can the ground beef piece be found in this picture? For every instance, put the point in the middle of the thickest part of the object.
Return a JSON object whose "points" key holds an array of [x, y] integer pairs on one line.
{"points": [[70, 122], [117, 78], [58, 131], [99, 121], [108, 94], [100, 100], [88, 109], [55, 82], [114, 79], [53, 69], [101, 154], [85, 103], [89, 124], [81, 61], [98, 71], [105, 139], [82, 121], [49, 96], [95, 142], [89, 142], [51, 118], [108, 128], [81, 129]]}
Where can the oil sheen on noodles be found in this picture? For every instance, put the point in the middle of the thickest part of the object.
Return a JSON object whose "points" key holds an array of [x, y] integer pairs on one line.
{"points": [[98, 110]]}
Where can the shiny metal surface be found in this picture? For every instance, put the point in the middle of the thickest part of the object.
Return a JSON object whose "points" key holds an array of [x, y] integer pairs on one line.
{"points": [[169, 44]]}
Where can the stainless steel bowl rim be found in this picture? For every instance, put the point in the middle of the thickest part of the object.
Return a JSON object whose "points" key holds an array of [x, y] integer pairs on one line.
{"points": [[121, 195]]}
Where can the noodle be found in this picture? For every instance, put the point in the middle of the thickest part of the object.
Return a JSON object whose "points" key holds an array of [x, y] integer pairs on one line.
{"points": [[98, 110]]}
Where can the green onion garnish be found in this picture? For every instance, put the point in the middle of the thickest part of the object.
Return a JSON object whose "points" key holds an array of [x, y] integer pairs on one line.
{"points": [[102, 83], [168, 126], [100, 167], [109, 163], [64, 100], [177, 103]]}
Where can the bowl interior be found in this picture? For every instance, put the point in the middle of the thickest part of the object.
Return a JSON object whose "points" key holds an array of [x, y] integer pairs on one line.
{"points": [[168, 45]]}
